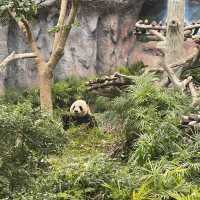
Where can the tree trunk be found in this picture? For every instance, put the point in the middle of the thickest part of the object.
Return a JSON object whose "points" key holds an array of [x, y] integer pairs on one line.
{"points": [[45, 83], [175, 32], [45, 69]]}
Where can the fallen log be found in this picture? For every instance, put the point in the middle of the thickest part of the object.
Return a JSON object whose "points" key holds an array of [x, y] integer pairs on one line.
{"points": [[192, 120], [110, 86]]}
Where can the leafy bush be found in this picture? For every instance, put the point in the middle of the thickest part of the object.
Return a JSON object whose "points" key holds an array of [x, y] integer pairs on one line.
{"points": [[165, 180], [84, 178], [18, 97], [135, 69], [162, 159], [27, 138], [150, 113], [102, 104], [22, 8], [67, 91], [64, 94]]}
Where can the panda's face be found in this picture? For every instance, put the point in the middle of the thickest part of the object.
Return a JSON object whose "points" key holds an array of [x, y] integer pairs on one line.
{"points": [[80, 108]]}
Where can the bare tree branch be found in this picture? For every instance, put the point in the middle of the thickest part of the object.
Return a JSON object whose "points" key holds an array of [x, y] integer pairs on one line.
{"points": [[13, 56], [61, 22], [58, 52], [157, 34], [110, 86], [153, 26], [189, 30], [194, 25], [26, 29]]}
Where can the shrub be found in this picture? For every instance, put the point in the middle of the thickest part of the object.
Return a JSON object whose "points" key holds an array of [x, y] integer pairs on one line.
{"points": [[135, 69], [149, 115], [102, 104], [165, 180], [27, 138], [67, 91], [84, 178], [14, 97], [64, 93], [162, 159]]}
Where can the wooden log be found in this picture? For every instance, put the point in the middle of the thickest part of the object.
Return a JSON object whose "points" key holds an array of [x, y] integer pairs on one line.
{"points": [[110, 86], [175, 32]]}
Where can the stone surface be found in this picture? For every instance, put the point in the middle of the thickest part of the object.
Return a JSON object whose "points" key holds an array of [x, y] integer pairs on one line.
{"points": [[103, 40]]}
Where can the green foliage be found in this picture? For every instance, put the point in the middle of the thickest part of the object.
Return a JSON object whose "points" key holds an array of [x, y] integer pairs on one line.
{"points": [[102, 104], [54, 29], [27, 138], [147, 111], [162, 159], [135, 69], [84, 178], [23, 8], [166, 179], [81, 172], [195, 73], [66, 92], [14, 97]]}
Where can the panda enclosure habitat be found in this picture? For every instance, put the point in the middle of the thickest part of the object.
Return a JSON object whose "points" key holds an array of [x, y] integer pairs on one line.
{"points": [[99, 100]]}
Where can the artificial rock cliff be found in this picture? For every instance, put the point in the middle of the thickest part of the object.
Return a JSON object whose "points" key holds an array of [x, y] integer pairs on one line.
{"points": [[103, 40]]}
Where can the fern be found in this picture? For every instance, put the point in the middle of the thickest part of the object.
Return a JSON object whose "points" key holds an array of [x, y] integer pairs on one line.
{"points": [[195, 195], [143, 193]]}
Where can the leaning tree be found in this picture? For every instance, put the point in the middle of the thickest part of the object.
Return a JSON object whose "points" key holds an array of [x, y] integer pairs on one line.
{"points": [[23, 11]]}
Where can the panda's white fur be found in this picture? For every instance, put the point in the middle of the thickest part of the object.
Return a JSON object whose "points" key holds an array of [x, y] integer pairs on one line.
{"points": [[80, 108]]}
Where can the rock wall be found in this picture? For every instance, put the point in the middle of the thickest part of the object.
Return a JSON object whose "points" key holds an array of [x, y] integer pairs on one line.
{"points": [[103, 41]]}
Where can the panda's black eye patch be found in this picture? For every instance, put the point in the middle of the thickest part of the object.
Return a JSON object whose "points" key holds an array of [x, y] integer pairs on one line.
{"points": [[81, 108], [73, 107]]}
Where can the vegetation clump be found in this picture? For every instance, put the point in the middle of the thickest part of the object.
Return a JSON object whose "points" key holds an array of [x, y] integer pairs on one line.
{"points": [[28, 137], [139, 151]]}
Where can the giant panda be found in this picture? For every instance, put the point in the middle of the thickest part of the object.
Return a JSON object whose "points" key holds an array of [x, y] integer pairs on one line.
{"points": [[79, 114]]}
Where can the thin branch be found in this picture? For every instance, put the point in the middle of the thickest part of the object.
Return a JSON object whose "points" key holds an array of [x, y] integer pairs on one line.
{"points": [[195, 25], [26, 29], [61, 22], [154, 26], [13, 56], [157, 34], [171, 74], [110, 86], [30, 37], [189, 30], [58, 53]]}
